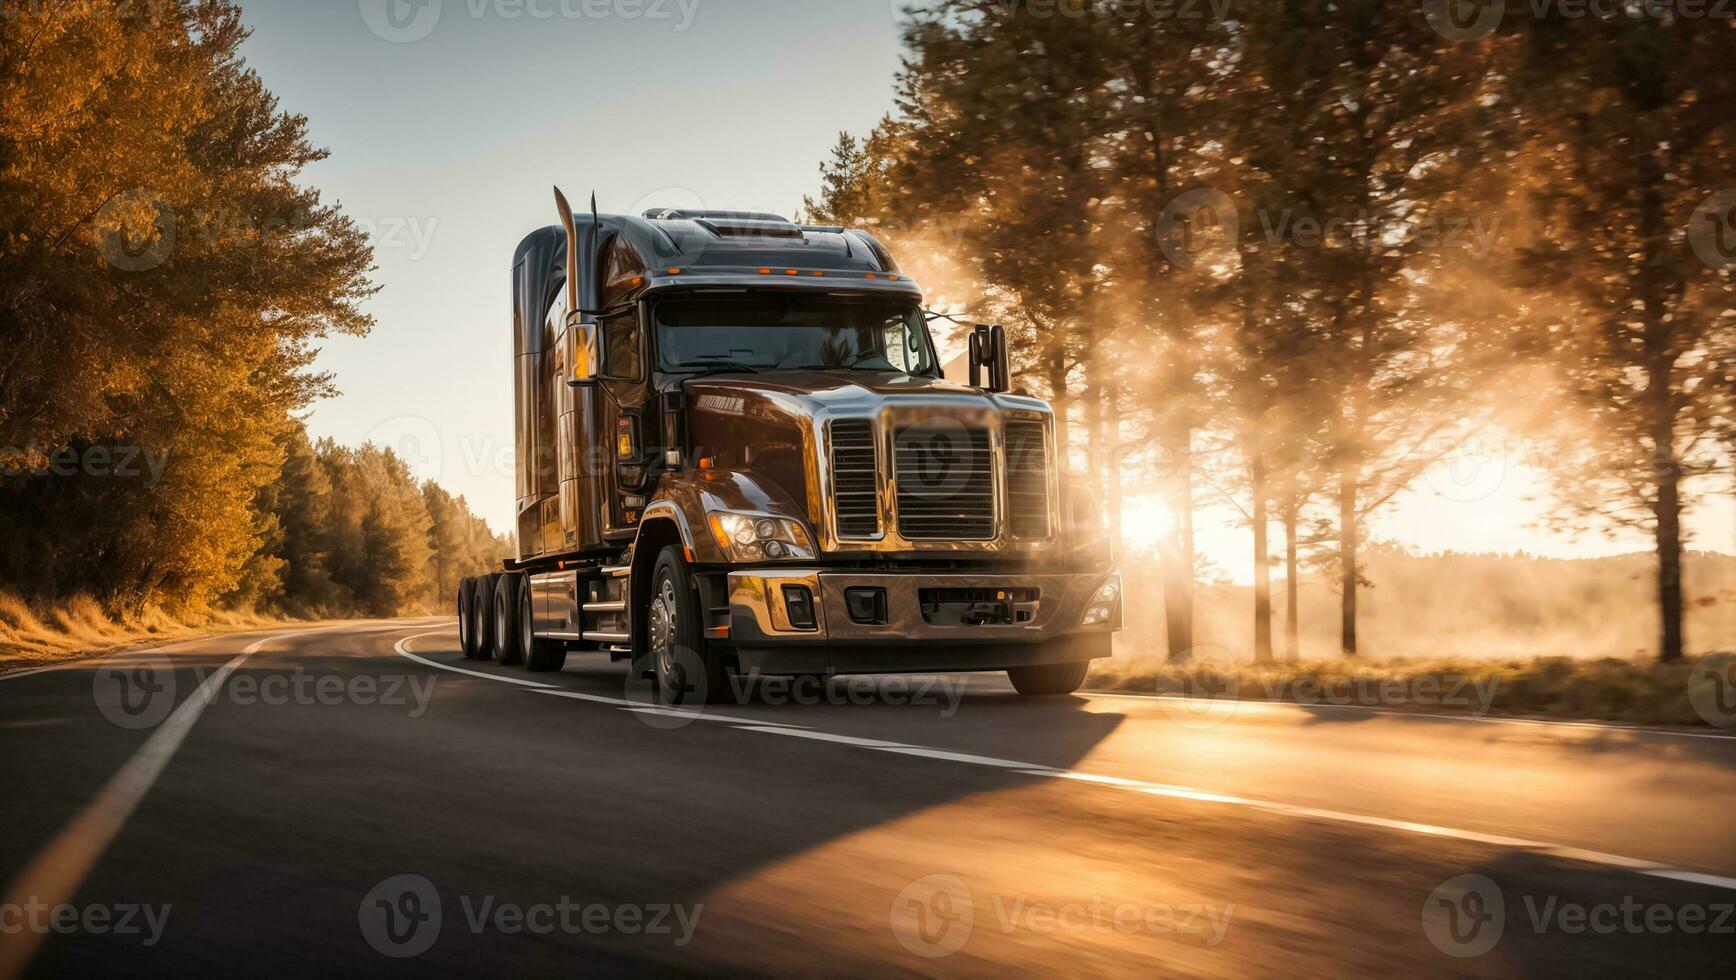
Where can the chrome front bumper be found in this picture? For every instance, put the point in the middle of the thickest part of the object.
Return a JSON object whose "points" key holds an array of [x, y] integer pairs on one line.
{"points": [[1050, 629]]}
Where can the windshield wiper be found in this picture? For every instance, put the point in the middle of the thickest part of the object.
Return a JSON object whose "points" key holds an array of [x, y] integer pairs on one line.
{"points": [[719, 367]]}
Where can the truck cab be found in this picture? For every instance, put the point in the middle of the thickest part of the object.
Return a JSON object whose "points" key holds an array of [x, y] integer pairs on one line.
{"points": [[736, 452]]}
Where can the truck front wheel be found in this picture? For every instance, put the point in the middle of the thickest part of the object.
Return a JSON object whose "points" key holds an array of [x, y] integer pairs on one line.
{"points": [[687, 671], [1048, 680]]}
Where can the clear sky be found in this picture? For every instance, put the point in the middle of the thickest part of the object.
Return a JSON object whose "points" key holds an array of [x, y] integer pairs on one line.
{"points": [[446, 137], [449, 120]]}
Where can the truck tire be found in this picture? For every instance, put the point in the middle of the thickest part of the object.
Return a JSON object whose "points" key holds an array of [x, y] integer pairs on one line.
{"points": [[687, 671], [1048, 680], [504, 608], [466, 627], [482, 615], [540, 656]]}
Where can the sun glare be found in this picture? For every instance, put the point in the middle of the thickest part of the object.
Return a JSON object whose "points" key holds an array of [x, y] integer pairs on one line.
{"points": [[1145, 522]]}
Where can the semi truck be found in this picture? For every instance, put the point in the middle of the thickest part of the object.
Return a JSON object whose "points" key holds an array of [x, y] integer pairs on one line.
{"points": [[737, 453]]}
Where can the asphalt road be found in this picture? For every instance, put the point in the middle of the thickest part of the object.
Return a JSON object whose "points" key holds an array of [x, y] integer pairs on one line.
{"points": [[362, 801]]}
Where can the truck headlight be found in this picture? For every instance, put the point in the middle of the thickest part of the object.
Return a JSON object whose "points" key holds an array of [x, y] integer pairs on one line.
{"points": [[759, 537], [1105, 603]]}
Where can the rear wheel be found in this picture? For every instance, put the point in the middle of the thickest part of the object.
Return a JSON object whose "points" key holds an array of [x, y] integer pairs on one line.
{"points": [[686, 669], [539, 655], [1048, 680], [466, 632], [482, 616], [505, 628]]}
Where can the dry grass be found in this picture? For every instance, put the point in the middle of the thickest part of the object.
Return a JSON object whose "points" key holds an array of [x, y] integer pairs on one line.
{"points": [[32, 635], [1550, 638], [1609, 689]]}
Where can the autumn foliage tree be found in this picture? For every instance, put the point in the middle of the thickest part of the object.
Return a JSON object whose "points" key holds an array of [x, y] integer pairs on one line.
{"points": [[164, 282], [1629, 127]]}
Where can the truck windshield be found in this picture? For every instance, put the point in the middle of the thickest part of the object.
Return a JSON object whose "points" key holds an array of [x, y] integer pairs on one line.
{"points": [[792, 333]]}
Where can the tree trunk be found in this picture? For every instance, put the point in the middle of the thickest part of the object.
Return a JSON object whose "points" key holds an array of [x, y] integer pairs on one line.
{"points": [[1670, 602], [1667, 510], [1292, 593], [1055, 366], [1178, 548], [1262, 565], [1112, 457], [1348, 542], [1093, 397]]}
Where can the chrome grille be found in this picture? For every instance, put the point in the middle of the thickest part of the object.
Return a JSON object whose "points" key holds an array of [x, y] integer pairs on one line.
{"points": [[855, 478], [1027, 479], [946, 482]]}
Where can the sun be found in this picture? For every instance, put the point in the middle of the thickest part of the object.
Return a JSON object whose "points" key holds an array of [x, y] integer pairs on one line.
{"points": [[1146, 522]]}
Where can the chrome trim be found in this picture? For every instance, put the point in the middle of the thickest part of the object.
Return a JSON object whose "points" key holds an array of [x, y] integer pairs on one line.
{"points": [[887, 413], [880, 465], [760, 594]]}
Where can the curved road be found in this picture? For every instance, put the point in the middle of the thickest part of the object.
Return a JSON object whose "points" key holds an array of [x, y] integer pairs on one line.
{"points": [[361, 801]]}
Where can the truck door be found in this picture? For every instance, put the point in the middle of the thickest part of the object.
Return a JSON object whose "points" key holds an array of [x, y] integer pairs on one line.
{"points": [[628, 422]]}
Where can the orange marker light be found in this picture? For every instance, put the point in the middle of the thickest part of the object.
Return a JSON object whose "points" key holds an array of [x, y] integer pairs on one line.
{"points": [[792, 272], [872, 276], [708, 462], [675, 272], [638, 280], [765, 272]]}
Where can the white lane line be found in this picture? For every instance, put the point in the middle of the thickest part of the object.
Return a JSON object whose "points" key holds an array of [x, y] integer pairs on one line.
{"points": [[1596, 726], [399, 647], [1312, 813], [638, 707], [1651, 868], [56, 873], [172, 649], [26, 672]]}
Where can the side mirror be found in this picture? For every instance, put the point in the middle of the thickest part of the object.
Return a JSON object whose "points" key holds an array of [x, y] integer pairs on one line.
{"points": [[988, 350], [581, 342]]}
